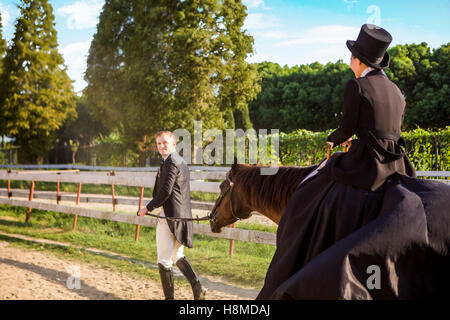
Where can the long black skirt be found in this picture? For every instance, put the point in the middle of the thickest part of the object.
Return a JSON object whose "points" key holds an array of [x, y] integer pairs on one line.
{"points": [[339, 242]]}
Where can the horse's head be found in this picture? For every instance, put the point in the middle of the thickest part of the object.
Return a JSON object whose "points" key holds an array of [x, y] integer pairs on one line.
{"points": [[229, 207]]}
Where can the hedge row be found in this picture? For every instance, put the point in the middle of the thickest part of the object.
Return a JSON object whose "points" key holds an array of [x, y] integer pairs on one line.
{"points": [[428, 150]]}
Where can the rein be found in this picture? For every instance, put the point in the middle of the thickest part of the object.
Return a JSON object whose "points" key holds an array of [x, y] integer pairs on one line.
{"points": [[178, 218], [210, 216]]}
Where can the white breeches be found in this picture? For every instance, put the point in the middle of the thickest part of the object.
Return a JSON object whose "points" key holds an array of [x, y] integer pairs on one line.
{"points": [[169, 249]]}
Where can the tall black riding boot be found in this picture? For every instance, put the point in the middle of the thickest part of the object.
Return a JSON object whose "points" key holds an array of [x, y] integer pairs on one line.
{"points": [[166, 275], [197, 289]]}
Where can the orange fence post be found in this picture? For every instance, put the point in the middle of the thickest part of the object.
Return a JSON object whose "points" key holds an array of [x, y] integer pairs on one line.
{"points": [[232, 241], [114, 200], [76, 203], [9, 189], [30, 197], [141, 197], [58, 195]]}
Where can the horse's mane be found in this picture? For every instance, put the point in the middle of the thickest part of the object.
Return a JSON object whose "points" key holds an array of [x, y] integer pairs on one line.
{"points": [[271, 192]]}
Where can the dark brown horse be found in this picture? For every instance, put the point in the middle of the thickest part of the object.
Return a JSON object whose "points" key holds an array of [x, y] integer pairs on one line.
{"points": [[245, 190]]}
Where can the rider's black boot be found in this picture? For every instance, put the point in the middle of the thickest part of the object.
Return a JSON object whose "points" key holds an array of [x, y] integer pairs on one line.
{"points": [[197, 289]]}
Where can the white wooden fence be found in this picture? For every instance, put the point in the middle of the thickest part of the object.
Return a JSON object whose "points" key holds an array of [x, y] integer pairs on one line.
{"points": [[137, 177], [130, 178]]}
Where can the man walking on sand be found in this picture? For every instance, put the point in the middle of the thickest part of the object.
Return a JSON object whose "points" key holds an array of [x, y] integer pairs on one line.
{"points": [[172, 192]]}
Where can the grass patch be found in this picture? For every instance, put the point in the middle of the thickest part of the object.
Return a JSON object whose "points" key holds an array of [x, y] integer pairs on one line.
{"points": [[209, 256]]}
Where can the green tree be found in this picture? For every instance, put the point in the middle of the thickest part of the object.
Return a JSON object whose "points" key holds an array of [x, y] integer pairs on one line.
{"points": [[160, 64], [423, 76], [83, 130], [308, 97], [3, 48], [311, 96], [38, 95], [265, 110]]}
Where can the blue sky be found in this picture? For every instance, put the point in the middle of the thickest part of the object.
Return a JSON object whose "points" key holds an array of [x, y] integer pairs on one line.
{"points": [[291, 32]]}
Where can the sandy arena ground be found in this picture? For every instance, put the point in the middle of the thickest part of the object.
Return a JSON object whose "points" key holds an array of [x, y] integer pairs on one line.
{"points": [[29, 274]]}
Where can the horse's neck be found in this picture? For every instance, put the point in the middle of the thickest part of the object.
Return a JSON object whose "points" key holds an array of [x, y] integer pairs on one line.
{"points": [[269, 194]]}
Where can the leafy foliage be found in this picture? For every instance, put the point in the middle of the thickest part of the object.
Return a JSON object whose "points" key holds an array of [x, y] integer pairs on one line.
{"points": [[111, 151], [310, 96], [82, 130], [37, 95], [424, 78], [157, 65], [427, 150]]}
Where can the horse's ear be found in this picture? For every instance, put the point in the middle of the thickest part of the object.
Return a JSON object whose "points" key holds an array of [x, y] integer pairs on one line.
{"points": [[234, 166], [258, 163]]}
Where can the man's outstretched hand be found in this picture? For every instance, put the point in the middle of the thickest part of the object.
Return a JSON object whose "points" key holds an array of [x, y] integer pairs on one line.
{"points": [[142, 211]]}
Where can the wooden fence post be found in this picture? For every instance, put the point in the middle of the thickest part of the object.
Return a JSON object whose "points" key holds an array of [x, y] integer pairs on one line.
{"points": [[76, 203], [141, 197], [114, 200], [9, 189], [30, 197], [58, 195], [232, 242]]}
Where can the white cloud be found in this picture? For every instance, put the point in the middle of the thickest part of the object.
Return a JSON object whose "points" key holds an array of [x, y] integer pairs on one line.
{"points": [[9, 14], [82, 14], [259, 21], [75, 56], [350, 3], [5, 14], [251, 4], [271, 35], [298, 55], [322, 43], [330, 34], [329, 53], [259, 57]]}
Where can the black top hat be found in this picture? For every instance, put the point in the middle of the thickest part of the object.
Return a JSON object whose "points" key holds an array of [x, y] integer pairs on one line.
{"points": [[371, 46]]}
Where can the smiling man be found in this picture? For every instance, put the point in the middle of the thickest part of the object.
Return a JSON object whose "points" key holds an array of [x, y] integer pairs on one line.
{"points": [[172, 192]]}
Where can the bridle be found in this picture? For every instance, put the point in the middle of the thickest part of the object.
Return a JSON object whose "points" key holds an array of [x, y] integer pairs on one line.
{"points": [[212, 215]]}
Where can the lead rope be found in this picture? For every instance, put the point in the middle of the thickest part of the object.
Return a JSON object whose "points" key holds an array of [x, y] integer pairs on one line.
{"points": [[177, 218]]}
